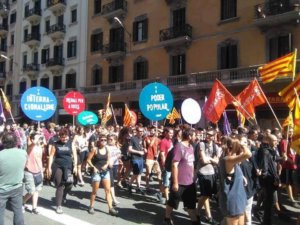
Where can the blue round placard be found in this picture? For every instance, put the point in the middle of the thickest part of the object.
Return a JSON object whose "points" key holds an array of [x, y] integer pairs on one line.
{"points": [[156, 101], [38, 103], [87, 118]]}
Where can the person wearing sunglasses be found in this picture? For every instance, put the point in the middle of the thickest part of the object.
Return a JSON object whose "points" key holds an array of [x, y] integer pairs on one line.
{"points": [[98, 159]]}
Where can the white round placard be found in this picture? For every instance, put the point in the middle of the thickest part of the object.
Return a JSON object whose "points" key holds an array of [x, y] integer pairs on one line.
{"points": [[191, 111]]}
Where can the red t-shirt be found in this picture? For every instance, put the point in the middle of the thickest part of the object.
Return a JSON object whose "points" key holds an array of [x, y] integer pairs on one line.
{"points": [[151, 144], [165, 146], [290, 153]]}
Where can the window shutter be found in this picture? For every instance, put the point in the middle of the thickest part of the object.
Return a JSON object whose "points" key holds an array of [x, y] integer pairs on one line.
{"points": [[43, 58], [232, 56], [223, 57], [134, 31], [145, 29]]}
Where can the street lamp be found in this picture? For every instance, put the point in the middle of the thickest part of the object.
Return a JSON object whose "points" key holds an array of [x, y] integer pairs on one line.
{"points": [[122, 25]]}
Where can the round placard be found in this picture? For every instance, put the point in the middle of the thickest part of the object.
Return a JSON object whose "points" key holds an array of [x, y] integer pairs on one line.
{"points": [[191, 111], [87, 118], [156, 101], [38, 103], [74, 103]]}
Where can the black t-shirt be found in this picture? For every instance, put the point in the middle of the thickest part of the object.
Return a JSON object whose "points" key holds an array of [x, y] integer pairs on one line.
{"points": [[93, 138], [137, 144], [63, 153]]}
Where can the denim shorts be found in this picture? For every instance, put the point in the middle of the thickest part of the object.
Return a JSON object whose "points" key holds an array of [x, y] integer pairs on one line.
{"points": [[137, 166], [166, 178], [29, 185], [97, 177]]}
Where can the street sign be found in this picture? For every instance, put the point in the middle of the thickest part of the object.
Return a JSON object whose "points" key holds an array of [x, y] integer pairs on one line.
{"points": [[74, 103], [156, 101], [87, 118], [38, 103]]}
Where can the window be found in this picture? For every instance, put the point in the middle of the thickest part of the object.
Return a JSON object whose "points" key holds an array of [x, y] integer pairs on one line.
{"points": [[116, 74], [57, 81], [96, 42], [45, 55], [71, 80], [228, 55], [140, 69], [12, 39], [178, 64], [9, 89], [74, 16], [13, 17], [24, 60], [22, 87], [96, 75], [179, 17], [279, 46], [47, 26], [33, 83], [25, 34], [11, 64], [228, 9], [45, 82], [140, 30], [97, 6], [72, 49]]}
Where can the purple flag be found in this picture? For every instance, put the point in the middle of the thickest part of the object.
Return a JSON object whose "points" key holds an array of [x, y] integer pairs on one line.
{"points": [[226, 125]]}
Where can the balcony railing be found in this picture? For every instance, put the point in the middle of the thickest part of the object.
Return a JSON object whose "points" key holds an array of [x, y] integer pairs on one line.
{"points": [[3, 48], [32, 37], [191, 81], [272, 8], [31, 67], [31, 12], [2, 74], [175, 32], [57, 28], [55, 62], [113, 47], [51, 3], [113, 6], [4, 27]]}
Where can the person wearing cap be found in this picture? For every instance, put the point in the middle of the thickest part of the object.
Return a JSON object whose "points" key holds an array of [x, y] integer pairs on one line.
{"points": [[209, 154]]}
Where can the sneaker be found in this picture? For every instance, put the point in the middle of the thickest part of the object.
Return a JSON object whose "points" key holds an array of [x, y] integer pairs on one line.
{"points": [[81, 184], [115, 203], [140, 191], [59, 210], [212, 221], [159, 198], [23, 209], [113, 212], [91, 210], [168, 221], [35, 211]]}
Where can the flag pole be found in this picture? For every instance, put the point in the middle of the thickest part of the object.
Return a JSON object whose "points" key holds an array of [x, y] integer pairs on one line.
{"points": [[113, 112], [269, 105]]}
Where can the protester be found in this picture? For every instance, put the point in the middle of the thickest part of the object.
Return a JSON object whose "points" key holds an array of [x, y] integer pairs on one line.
{"points": [[33, 175], [12, 164]]}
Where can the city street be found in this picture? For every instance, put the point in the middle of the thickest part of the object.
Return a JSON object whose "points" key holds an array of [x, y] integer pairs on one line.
{"points": [[133, 209]]}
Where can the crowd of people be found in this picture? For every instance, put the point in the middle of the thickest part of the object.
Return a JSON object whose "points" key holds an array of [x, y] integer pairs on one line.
{"points": [[196, 166]]}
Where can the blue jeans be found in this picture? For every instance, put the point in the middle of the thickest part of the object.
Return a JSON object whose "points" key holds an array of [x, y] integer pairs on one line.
{"points": [[15, 198]]}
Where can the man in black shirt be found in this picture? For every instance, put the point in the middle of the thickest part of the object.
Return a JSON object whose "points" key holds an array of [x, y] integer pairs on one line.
{"points": [[137, 152]]}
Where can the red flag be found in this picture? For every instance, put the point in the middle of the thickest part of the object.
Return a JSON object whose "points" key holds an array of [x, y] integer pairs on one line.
{"points": [[217, 101], [249, 98]]}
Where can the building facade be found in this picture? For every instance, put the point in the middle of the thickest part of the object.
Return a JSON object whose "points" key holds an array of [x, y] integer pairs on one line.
{"points": [[186, 44], [46, 42]]}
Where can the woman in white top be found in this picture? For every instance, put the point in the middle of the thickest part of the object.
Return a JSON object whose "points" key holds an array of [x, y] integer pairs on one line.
{"points": [[81, 143], [115, 156]]}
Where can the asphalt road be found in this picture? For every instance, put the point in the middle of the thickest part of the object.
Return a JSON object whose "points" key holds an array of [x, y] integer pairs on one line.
{"points": [[133, 209]]}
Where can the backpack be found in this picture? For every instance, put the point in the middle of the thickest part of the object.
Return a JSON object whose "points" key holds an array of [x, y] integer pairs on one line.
{"points": [[169, 159]]}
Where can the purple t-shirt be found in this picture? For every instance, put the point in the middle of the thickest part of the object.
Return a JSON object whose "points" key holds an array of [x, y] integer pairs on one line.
{"points": [[185, 156]]}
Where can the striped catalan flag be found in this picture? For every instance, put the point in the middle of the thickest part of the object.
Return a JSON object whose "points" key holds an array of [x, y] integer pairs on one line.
{"points": [[127, 117], [281, 67], [288, 93], [173, 116], [296, 133], [5, 102], [288, 121]]}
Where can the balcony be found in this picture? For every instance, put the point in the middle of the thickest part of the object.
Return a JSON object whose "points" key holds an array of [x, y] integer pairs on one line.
{"points": [[3, 30], [115, 8], [55, 64], [194, 81], [57, 31], [277, 13], [32, 70], [3, 50], [4, 9], [56, 6], [113, 51], [32, 40], [33, 15], [175, 36]]}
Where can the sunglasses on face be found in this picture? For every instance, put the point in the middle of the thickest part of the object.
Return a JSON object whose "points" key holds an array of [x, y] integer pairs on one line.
{"points": [[103, 139]]}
